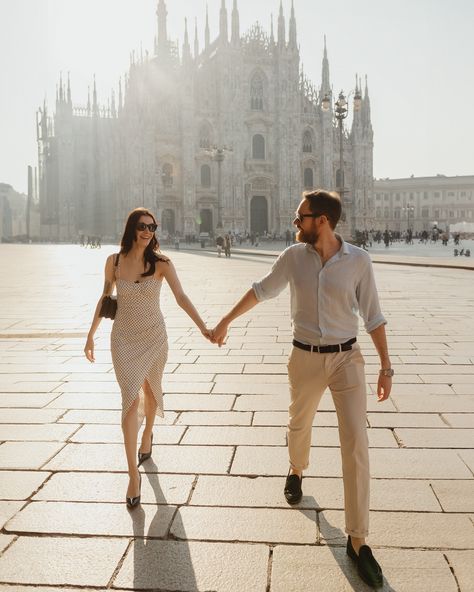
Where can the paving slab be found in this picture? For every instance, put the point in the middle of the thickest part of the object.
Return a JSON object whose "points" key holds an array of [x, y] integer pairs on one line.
{"points": [[212, 418], [9, 509], [194, 566], [280, 418], [405, 529], [113, 434], [111, 488], [317, 493], [455, 496], [27, 455], [406, 420], [459, 420], [20, 485], [227, 435], [462, 562], [435, 438], [331, 570], [107, 416], [245, 524], [91, 519], [24, 561], [174, 459], [39, 433]]}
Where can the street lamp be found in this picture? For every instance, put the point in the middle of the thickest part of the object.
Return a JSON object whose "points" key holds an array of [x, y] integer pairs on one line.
{"points": [[341, 111], [410, 210], [218, 154]]}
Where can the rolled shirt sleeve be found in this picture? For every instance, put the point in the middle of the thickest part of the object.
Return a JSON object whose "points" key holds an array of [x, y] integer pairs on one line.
{"points": [[274, 282], [368, 299]]}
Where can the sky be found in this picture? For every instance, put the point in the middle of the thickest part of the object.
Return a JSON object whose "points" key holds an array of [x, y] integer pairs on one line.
{"points": [[418, 56]]}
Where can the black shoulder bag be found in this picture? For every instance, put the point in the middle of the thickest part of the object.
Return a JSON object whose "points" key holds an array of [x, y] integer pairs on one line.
{"points": [[108, 308]]}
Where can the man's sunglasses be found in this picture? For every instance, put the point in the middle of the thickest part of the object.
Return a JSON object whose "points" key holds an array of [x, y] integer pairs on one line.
{"points": [[151, 227], [301, 217]]}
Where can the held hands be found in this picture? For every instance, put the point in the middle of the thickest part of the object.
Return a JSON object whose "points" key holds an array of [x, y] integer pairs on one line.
{"points": [[218, 334]]}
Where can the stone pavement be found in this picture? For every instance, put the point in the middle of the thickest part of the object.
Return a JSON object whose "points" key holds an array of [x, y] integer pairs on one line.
{"points": [[213, 516]]}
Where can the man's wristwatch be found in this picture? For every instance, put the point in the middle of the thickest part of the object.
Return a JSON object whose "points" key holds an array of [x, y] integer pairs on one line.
{"points": [[387, 372]]}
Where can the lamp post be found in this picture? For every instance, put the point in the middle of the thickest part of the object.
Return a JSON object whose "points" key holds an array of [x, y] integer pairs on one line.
{"points": [[410, 210], [341, 111], [218, 154]]}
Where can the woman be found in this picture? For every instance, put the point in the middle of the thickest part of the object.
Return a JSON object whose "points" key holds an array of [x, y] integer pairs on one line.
{"points": [[138, 340]]}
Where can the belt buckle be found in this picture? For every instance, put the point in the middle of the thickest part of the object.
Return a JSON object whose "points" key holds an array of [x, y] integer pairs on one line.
{"points": [[339, 345], [315, 349]]}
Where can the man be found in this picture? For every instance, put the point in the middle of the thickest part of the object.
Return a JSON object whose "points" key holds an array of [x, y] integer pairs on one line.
{"points": [[330, 281], [219, 244]]}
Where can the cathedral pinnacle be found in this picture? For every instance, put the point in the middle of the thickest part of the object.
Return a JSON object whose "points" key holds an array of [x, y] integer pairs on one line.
{"points": [[223, 32], [325, 84], [162, 14], [292, 31], [207, 36], [281, 27], [196, 40], [235, 25], [186, 46]]}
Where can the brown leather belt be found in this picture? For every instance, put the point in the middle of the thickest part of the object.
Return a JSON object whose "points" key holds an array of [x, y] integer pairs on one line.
{"points": [[326, 349]]}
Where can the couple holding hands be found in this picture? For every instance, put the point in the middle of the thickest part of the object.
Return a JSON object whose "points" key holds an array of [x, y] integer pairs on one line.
{"points": [[331, 283]]}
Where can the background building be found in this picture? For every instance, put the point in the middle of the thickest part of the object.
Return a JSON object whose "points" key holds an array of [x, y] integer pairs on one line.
{"points": [[421, 202], [12, 213], [225, 135]]}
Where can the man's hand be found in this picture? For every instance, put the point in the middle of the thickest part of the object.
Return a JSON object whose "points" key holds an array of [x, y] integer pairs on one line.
{"points": [[219, 333], [384, 386]]}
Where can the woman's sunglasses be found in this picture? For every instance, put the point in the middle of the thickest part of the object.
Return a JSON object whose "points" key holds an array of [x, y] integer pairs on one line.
{"points": [[151, 227]]}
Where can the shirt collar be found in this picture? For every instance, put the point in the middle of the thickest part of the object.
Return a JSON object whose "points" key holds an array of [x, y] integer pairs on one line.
{"points": [[344, 250]]}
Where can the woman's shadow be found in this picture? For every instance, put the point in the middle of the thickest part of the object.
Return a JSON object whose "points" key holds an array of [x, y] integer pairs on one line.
{"points": [[331, 534], [159, 561]]}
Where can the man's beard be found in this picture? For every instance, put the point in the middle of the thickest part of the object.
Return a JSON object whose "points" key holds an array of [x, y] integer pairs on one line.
{"points": [[308, 237]]}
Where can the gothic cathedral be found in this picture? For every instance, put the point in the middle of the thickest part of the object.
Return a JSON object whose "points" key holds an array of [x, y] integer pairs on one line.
{"points": [[227, 135]]}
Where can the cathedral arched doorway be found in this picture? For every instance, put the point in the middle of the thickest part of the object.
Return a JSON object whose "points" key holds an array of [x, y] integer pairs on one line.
{"points": [[168, 222], [259, 214], [206, 221]]}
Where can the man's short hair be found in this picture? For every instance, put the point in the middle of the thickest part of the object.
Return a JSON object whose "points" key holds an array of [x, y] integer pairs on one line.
{"points": [[325, 202]]}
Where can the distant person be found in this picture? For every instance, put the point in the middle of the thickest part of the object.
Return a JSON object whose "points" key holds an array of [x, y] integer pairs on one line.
{"points": [[227, 245], [139, 342], [219, 244], [287, 237], [386, 238]]}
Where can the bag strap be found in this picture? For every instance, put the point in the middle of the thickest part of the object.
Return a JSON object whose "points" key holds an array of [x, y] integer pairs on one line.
{"points": [[116, 264]]}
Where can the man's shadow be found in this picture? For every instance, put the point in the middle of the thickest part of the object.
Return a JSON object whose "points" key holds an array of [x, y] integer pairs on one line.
{"points": [[335, 540], [159, 562]]}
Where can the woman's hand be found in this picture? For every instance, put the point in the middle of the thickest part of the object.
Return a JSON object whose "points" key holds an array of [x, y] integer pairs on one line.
{"points": [[207, 333], [89, 349]]}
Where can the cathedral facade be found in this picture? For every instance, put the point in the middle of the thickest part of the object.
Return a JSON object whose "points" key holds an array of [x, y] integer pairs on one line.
{"points": [[227, 135]]}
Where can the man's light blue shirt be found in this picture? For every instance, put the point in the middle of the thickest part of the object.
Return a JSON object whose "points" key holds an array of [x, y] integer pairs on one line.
{"points": [[325, 299]]}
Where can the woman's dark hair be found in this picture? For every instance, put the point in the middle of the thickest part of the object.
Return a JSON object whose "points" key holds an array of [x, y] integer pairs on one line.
{"points": [[325, 202], [152, 252]]}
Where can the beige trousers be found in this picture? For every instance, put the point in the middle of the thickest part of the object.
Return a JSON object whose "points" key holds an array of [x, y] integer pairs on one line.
{"points": [[343, 372]]}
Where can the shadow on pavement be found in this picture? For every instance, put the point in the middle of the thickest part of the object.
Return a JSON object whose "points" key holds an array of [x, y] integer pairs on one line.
{"points": [[164, 564], [332, 534]]}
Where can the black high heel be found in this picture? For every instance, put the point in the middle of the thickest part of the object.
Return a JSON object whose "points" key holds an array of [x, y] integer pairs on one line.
{"points": [[133, 502], [143, 456]]}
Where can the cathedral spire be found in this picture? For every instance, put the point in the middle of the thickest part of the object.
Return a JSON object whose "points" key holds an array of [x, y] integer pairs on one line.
{"points": [[113, 110], [223, 32], [207, 36], [356, 120], [120, 100], [292, 31], [162, 14], [88, 100], [186, 46], [325, 84], [366, 106], [272, 36], [196, 40], [235, 25], [61, 91], [95, 106], [69, 90], [281, 27]]}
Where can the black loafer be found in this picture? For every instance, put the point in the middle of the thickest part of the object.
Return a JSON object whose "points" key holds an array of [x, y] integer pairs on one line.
{"points": [[368, 568], [293, 491]]}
